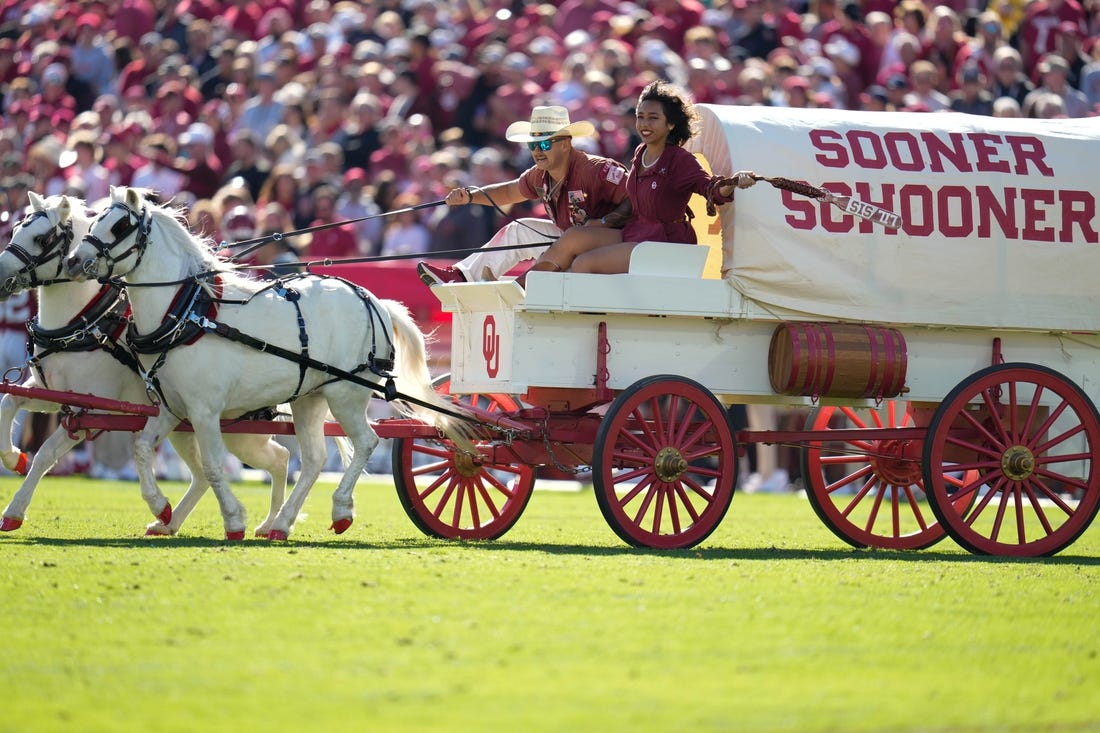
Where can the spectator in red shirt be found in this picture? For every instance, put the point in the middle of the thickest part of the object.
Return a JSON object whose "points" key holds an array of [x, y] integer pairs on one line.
{"points": [[134, 19], [242, 18], [149, 56], [943, 47], [391, 155], [848, 24], [1038, 30], [980, 50], [53, 95], [203, 170], [337, 241], [169, 114], [577, 15], [120, 157], [670, 20], [515, 96]]}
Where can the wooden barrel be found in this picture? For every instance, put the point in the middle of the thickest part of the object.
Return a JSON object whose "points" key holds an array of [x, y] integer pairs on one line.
{"points": [[837, 360]]}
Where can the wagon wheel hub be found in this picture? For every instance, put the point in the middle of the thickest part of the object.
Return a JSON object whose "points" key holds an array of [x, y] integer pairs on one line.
{"points": [[897, 463], [1018, 462], [669, 464], [466, 465]]}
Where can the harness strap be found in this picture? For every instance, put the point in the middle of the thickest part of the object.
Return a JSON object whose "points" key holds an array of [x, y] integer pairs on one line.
{"points": [[233, 334], [293, 297], [388, 390]]}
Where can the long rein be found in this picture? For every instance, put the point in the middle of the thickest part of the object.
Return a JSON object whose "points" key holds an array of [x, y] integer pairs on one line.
{"points": [[252, 245]]}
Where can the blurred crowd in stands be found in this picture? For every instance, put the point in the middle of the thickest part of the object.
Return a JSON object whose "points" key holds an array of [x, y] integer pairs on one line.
{"points": [[274, 115]]}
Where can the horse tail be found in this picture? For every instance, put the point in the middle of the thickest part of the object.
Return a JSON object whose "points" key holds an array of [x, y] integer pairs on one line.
{"points": [[415, 379], [343, 445]]}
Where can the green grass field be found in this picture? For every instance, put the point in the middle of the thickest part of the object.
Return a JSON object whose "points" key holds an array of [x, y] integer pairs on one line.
{"points": [[771, 625]]}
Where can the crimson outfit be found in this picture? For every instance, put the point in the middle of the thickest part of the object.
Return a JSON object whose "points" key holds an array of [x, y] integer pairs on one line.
{"points": [[333, 243], [592, 188], [660, 193], [1039, 28]]}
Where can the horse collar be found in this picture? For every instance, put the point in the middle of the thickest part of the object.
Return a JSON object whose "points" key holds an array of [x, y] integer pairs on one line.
{"points": [[178, 327]]}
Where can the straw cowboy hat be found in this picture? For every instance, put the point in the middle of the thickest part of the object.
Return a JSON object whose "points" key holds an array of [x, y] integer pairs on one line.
{"points": [[547, 122]]}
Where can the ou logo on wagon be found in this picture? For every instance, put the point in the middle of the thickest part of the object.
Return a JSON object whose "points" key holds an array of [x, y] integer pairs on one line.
{"points": [[490, 346]]}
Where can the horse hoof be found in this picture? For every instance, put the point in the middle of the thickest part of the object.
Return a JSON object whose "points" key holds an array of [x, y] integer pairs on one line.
{"points": [[8, 524], [341, 525], [235, 536], [22, 464], [165, 515], [276, 535], [262, 533]]}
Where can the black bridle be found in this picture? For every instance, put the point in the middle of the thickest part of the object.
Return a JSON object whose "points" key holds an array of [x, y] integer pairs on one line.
{"points": [[134, 222], [53, 244]]}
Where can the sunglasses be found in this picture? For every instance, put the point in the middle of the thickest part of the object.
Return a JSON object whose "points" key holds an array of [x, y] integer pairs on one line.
{"points": [[544, 145]]}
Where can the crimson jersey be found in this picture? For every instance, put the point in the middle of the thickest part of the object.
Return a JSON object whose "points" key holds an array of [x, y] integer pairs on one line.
{"points": [[1038, 29], [591, 189]]}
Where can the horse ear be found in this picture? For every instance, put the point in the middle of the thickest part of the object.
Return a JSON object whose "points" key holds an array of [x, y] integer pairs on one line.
{"points": [[115, 191], [37, 201], [64, 209], [133, 198]]}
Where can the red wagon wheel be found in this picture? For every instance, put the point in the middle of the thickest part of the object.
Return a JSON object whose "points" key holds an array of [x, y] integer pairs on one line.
{"points": [[1032, 437], [453, 496], [870, 492], [664, 463]]}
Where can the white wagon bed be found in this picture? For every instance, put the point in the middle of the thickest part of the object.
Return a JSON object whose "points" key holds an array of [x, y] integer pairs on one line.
{"points": [[705, 330]]}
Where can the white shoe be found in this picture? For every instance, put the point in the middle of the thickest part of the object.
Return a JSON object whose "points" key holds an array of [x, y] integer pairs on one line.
{"points": [[778, 483]]}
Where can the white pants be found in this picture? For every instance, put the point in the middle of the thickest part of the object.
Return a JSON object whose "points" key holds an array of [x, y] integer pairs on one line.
{"points": [[491, 265]]}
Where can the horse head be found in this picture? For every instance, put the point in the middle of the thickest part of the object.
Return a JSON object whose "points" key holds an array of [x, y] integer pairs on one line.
{"points": [[116, 240], [40, 242], [119, 242]]}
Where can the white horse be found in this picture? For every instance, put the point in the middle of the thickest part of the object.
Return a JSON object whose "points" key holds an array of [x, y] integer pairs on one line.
{"points": [[81, 325], [269, 343]]}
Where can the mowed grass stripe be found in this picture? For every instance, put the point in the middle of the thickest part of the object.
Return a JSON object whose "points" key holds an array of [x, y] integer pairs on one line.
{"points": [[772, 625]]}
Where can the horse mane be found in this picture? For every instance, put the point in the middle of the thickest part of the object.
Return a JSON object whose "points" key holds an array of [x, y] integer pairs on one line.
{"points": [[197, 251]]}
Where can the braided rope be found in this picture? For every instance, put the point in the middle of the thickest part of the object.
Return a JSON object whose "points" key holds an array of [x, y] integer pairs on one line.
{"points": [[800, 187]]}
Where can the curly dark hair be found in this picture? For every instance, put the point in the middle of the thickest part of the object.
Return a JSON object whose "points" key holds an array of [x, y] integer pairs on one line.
{"points": [[678, 107]]}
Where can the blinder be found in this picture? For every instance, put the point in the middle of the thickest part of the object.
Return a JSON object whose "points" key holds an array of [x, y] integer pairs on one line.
{"points": [[139, 222]]}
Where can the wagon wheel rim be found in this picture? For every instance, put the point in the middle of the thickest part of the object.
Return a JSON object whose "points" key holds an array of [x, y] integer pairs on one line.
{"points": [[1031, 436], [664, 464], [454, 496], [870, 492]]}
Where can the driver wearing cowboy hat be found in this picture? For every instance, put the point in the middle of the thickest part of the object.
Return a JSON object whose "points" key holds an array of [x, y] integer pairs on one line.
{"points": [[576, 188]]}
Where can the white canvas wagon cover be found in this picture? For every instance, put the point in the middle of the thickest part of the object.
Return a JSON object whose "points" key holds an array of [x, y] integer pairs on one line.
{"points": [[1001, 225]]}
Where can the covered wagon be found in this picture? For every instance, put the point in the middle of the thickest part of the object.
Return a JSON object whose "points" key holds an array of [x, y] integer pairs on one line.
{"points": [[953, 362]]}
